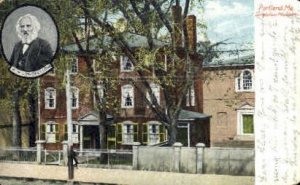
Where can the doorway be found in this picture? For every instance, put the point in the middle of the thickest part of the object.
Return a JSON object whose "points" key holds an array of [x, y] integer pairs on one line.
{"points": [[91, 137]]}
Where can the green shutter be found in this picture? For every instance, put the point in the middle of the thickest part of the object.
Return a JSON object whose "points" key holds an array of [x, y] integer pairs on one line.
{"points": [[57, 138], [248, 127], [145, 133], [162, 133], [111, 137], [65, 132], [43, 131], [119, 133], [135, 133]]}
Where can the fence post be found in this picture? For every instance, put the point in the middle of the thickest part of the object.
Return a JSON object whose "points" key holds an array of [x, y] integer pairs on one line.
{"points": [[39, 148], [199, 157], [135, 153], [65, 152], [177, 155]]}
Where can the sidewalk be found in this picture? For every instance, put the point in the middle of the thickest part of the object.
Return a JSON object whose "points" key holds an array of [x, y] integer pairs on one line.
{"points": [[122, 177]]}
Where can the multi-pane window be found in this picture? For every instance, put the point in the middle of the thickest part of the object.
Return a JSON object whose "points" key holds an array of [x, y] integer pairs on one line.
{"points": [[75, 132], [156, 92], [74, 66], [127, 132], [74, 97], [127, 94], [51, 132], [153, 133], [244, 82], [100, 91], [190, 96], [126, 64], [50, 98]]}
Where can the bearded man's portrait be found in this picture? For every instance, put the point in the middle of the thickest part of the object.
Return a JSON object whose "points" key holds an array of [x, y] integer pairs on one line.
{"points": [[33, 48]]}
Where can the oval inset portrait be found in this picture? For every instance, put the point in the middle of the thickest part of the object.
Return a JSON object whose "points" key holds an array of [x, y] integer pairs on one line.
{"points": [[29, 40]]}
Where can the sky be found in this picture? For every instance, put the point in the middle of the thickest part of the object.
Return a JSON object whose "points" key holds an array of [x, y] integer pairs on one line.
{"points": [[230, 19]]}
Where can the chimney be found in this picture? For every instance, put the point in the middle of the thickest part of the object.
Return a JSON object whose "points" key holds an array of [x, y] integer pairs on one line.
{"points": [[192, 33], [177, 25]]}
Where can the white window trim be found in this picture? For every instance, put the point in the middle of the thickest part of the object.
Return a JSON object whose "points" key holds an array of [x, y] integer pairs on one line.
{"points": [[241, 82], [50, 136], [101, 89], [94, 66], [190, 97], [157, 134], [77, 97], [122, 66], [75, 135], [76, 62], [127, 135], [46, 98], [124, 94], [240, 113], [156, 91]]}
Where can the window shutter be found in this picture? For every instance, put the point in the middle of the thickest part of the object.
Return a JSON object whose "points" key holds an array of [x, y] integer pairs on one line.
{"points": [[135, 133], [43, 131], [65, 132], [57, 132], [119, 133], [145, 133], [162, 133]]}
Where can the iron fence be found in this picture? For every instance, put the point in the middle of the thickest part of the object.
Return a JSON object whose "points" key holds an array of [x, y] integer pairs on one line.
{"points": [[27, 155]]}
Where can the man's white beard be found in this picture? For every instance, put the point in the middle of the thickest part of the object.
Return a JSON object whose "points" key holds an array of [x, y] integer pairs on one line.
{"points": [[27, 39]]}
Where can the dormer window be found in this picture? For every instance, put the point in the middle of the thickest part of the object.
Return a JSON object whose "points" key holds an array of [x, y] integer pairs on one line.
{"points": [[126, 64]]}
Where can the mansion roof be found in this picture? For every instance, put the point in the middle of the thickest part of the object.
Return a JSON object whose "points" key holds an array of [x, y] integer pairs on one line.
{"points": [[133, 40]]}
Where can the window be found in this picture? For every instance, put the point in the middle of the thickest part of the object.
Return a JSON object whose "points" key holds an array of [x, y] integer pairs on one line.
{"points": [[244, 82], [50, 98], [245, 120], [75, 132], [190, 97], [51, 133], [100, 90], [74, 97], [127, 132], [126, 64], [127, 93], [156, 91], [248, 127], [74, 66], [153, 133], [96, 65]]}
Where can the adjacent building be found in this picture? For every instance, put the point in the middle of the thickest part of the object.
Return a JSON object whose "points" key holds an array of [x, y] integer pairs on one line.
{"points": [[228, 91]]}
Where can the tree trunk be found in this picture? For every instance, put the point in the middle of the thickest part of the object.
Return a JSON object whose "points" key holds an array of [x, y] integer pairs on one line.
{"points": [[16, 119], [33, 115], [102, 131], [172, 132]]}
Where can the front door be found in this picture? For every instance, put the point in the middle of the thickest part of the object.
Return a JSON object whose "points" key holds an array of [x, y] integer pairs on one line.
{"points": [[91, 137], [183, 133]]}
